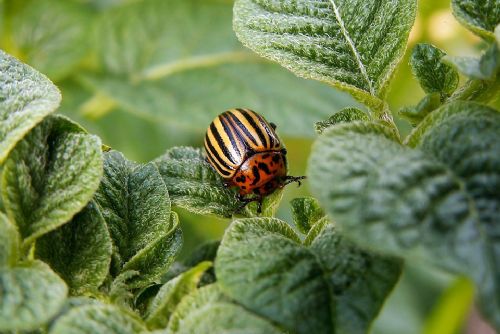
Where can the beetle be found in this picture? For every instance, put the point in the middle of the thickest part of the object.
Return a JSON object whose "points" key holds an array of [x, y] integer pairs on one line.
{"points": [[245, 150]]}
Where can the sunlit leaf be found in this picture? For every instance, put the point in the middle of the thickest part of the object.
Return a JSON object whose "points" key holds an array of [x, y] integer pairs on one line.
{"points": [[479, 16]]}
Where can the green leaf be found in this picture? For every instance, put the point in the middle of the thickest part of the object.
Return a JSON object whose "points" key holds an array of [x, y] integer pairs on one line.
{"points": [[9, 242], [50, 176], [80, 251], [193, 184], [480, 17], [56, 41], [91, 319], [30, 295], [434, 75], [360, 281], [306, 212], [182, 75], [467, 139], [415, 114], [26, 97], [299, 286], [208, 311], [483, 68], [345, 115], [353, 45], [397, 200], [154, 260], [171, 293], [135, 204], [191, 99]]}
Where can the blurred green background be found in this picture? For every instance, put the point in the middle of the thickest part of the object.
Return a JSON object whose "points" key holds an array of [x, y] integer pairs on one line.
{"points": [[148, 75]]}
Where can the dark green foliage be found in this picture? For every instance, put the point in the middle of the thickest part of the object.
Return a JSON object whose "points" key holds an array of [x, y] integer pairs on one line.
{"points": [[78, 217], [434, 75]]}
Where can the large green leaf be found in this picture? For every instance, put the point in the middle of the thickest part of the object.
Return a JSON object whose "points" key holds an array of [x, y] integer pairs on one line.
{"points": [[186, 74], [351, 44], [29, 296], [434, 75], [194, 185], [480, 16], [208, 311], [136, 206], [360, 280], [397, 200], [171, 293], [467, 139], [51, 35], [91, 319], [50, 176], [305, 288], [26, 97], [79, 251], [9, 242]]}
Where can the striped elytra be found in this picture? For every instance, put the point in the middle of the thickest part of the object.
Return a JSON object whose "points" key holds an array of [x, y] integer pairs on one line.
{"points": [[246, 151]]}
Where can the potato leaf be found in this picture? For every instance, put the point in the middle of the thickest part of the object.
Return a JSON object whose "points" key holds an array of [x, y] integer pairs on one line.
{"points": [[100, 318], [300, 285], [434, 75], [171, 293], [135, 204], [9, 242], [480, 17], [30, 295], [79, 251], [26, 97], [50, 176], [353, 45], [208, 311]]}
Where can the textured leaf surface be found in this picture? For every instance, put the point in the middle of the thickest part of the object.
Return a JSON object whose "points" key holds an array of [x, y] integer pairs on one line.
{"points": [[306, 212], [351, 44], [171, 293], [288, 287], [93, 319], [415, 114], [360, 281], [345, 115], [480, 16], [194, 185], [9, 242], [208, 311], [434, 75], [29, 296], [50, 176], [79, 251], [483, 68], [305, 288], [176, 80], [53, 42], [467, 140], [135, 204], [26, 97], [395, 199]]}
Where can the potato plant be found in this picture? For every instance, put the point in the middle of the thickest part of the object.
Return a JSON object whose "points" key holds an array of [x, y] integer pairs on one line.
{"points": [[89, 239]]}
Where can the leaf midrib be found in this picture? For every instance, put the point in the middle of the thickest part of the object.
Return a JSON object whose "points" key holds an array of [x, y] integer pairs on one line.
{"points": [[352, 46]]}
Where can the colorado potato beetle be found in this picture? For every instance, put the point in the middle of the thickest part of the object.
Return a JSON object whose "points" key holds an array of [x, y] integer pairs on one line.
{"points": [[246, 151]]}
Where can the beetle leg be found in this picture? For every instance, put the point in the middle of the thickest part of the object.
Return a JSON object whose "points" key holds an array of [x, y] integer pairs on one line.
{"points": [[283, 151], [272, 125], [291, 179], [245, 201]]}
